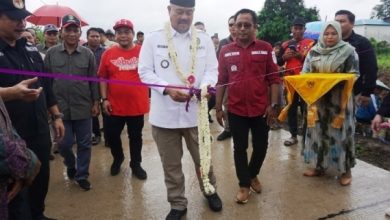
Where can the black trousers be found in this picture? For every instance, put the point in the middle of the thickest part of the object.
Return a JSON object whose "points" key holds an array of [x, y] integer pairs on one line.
{"points": [[114, 127], [19, 207], [292, 115], [240, 127], [41, 146], [211, 102], [104, 116], [96, 126]]}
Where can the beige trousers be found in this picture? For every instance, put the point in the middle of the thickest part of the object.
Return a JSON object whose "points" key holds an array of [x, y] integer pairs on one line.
{"points": [[170, 147]]}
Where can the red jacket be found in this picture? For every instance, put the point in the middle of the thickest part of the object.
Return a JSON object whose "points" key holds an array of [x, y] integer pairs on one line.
{"points": [[294, 65], [250, 72]]}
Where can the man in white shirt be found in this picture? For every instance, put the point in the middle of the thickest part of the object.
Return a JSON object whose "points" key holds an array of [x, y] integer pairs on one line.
{"points": [[167, 59]]}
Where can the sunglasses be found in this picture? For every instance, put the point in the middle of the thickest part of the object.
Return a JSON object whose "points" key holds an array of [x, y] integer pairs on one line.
{"points": [[245, 25]]}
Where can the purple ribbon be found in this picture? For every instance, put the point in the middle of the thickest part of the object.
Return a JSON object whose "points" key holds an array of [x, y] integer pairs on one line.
{"points": [[83, 78], [197, 93], [192, 91]]}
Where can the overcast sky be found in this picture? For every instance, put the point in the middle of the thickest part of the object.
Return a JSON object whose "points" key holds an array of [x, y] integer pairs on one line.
{"points": [[149, 15]]}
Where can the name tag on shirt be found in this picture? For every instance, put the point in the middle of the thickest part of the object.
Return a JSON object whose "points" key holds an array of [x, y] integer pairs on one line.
{"points": [[199, 47], [231, 54], [260, 52], [1, 54], [31, 49]]}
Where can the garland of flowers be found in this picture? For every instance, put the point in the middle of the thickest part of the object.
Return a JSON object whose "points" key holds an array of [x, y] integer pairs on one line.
{"points": [[190, 78], [204, 139]]}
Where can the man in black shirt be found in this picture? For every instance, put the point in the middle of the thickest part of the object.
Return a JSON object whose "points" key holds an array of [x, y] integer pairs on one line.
{"points": [[368, 67], [29, 118], [230, 39]]}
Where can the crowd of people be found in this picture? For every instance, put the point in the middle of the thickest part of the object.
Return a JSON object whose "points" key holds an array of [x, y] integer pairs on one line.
{"points": [[246, 72]]}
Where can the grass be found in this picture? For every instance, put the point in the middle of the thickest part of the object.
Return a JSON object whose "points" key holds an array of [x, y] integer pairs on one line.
{"points": [[384, 63]]}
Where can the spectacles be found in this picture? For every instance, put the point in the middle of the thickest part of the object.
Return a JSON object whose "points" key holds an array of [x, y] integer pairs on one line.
{"points": [[231, 24], [245, 25]]}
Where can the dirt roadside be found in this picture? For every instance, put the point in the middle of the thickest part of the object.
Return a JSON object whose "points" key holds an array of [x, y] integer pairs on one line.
{"points": [[373, 151]]}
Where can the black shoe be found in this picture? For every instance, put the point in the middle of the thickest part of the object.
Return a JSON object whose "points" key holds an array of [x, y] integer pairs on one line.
{"points": [[46, 218], [139, 172], [224, 135], [106, 144], [210, 119], [96, 140], [116, 166], [84, 184], [175, 214], [55, 148], [71, 172], [215, 202]]}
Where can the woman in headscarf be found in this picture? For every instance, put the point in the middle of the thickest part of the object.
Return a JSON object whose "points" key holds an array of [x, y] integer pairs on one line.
{"points": [[326, 146]]}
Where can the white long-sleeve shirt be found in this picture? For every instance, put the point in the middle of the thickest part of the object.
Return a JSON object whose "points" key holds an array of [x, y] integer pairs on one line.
{"points": [[155, 67]]}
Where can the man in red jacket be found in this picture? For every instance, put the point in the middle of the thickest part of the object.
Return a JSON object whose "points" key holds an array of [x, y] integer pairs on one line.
{"points": [[249, 68]]}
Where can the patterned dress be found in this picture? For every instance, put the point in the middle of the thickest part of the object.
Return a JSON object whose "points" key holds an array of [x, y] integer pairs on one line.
{"points": [[324, 146], [16, 161]]}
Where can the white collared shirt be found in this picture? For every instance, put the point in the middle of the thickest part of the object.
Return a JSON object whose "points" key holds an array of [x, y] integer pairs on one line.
{"points": [[155, 67]]}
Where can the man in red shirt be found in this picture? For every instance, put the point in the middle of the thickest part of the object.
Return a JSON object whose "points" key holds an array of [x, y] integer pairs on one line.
{"points": [[292, 55], [249, 68], [124, 104]]}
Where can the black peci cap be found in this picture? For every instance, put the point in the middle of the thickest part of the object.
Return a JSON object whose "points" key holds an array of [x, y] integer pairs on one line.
{"points": [[184, 3]]}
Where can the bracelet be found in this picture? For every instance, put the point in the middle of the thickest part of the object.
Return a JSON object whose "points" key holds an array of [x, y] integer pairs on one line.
{"points": [[218, 110]]}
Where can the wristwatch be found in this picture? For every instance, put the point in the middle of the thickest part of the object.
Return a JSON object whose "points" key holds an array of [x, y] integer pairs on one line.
{"points": [[57, 116], [103, 99]]}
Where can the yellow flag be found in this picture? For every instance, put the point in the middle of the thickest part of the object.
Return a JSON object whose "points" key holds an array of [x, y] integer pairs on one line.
{"points": [[311, 87]]}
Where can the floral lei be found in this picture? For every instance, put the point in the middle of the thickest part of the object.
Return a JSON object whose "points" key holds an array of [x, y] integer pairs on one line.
{"points": [[189, 79], [204, 139], [203, 122]]}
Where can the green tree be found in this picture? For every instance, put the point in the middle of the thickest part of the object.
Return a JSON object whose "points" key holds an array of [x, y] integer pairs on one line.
{"points": [[276, 17], [382, 10], [39, 33]]}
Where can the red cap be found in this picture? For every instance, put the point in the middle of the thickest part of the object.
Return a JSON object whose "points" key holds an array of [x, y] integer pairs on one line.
{"points": [[123, 23]]}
